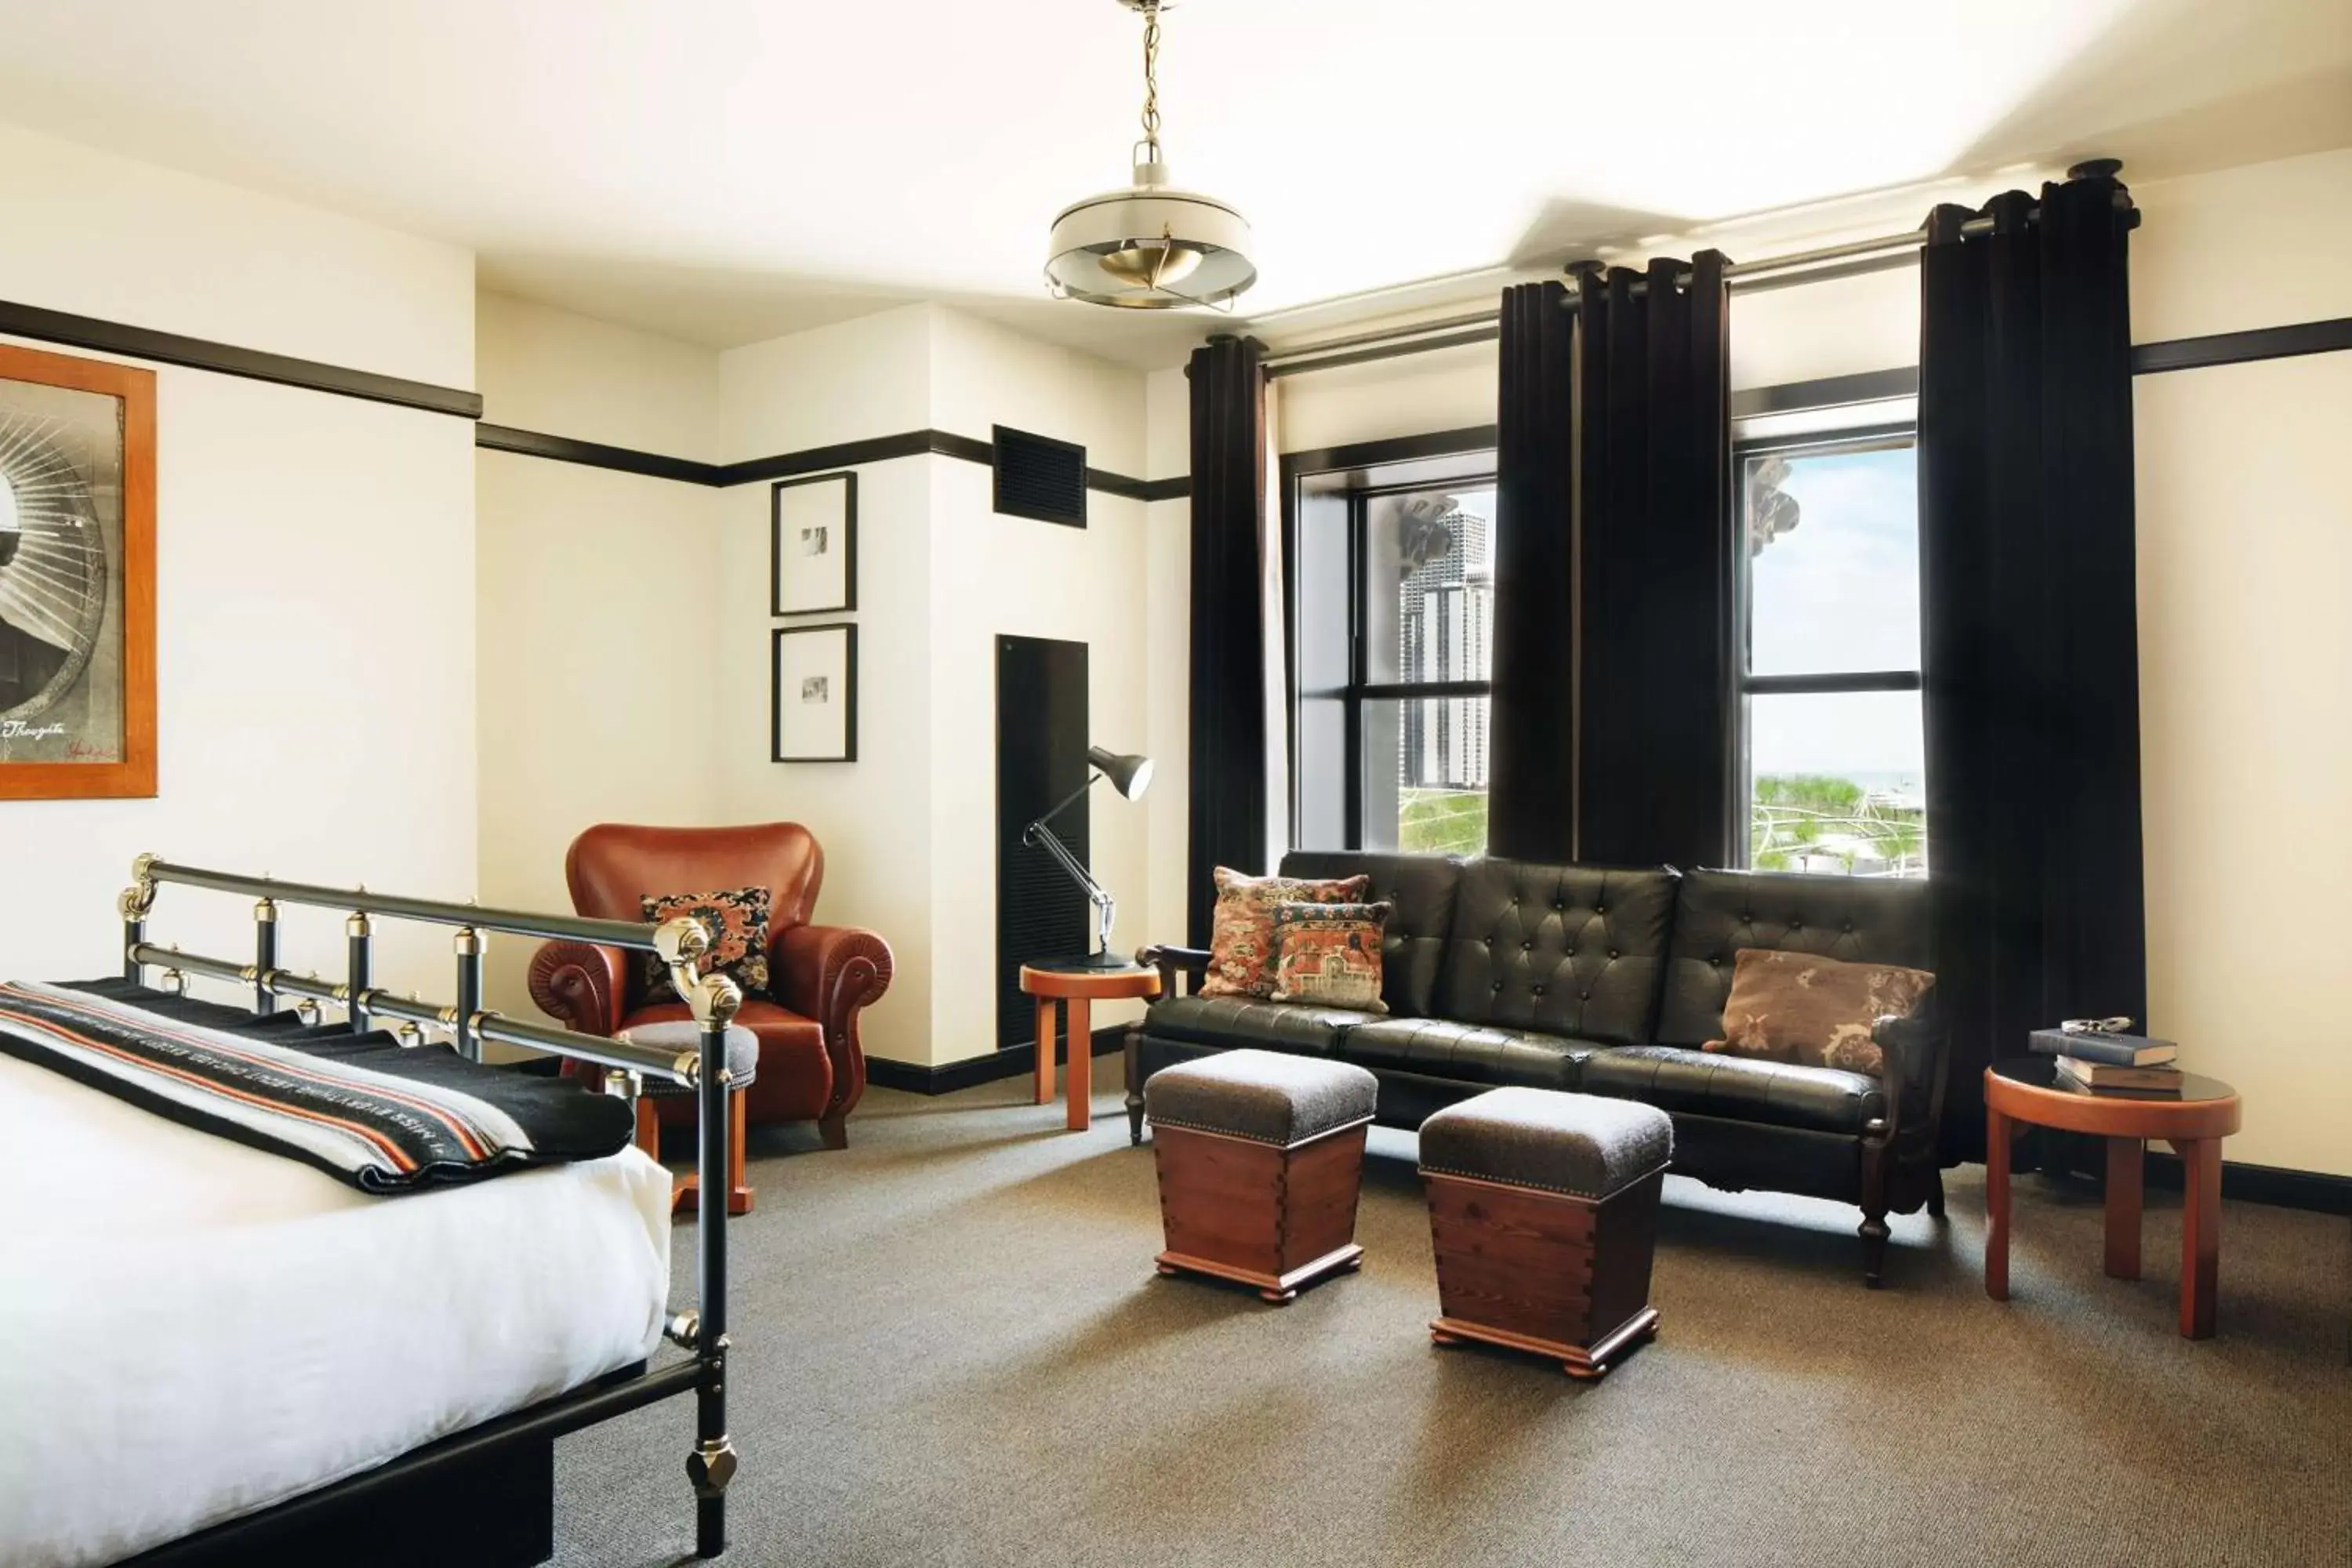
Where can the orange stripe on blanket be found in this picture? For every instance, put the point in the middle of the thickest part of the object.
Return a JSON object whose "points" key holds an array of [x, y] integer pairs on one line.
{"points": [[474, 1146], [391, 1150]]}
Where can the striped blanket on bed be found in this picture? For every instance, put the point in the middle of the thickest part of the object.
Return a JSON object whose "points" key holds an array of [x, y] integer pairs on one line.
{"points": [[361, 1108]]}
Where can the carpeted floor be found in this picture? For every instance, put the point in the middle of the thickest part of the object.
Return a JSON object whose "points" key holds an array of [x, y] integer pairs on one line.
{"points": [[951, 1348]]}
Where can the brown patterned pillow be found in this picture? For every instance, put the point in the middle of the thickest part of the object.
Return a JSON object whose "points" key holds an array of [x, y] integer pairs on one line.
{"points": [[1241, 933], [737, 919], [1330, 955], [1816, 1012]]}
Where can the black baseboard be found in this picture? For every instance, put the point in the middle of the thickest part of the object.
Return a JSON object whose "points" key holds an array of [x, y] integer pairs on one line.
{"points": [[2283, 1189], [1013, 1061], [2080, 1158]]}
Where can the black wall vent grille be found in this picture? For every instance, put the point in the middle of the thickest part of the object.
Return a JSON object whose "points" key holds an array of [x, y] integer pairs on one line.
{"points": [[1039, 477]]}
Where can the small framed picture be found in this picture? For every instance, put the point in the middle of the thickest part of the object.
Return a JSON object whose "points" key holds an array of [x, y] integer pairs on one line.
{"points": [[812, 545], [815, 693]]}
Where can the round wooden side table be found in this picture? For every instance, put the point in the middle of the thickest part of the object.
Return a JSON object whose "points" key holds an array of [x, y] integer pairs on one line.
{"points": [[2026, 1088], [1075, 988]]}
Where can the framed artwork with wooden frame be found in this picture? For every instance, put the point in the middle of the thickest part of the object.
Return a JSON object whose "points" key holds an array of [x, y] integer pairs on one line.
{"points": [[77, 578]]}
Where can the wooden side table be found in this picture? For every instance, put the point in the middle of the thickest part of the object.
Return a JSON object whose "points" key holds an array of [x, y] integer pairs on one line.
{"points": [[2025, 1089], [1076, 988]]}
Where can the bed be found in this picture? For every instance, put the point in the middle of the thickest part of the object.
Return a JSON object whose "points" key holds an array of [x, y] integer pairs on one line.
{"points": [[219, 1355]]}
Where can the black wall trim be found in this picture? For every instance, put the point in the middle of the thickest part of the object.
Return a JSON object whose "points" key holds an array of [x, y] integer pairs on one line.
{"points": [[594, 454], [1177, 488], [2311, 1190], [1396, 449], [102, 336], [792, 465], [817, 459], [1013, 1061], [2147, 359], [2238, 348], [1829, 392], [227, 359]]}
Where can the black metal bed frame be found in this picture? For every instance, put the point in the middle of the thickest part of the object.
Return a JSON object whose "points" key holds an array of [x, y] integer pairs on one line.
{"points": [[702, 1330]]}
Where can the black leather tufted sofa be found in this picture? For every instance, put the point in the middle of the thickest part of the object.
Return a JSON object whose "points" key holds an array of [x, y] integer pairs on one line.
{"points": [[1608, 981]]}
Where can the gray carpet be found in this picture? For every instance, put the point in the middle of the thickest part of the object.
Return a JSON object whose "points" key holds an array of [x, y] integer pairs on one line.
{"points": [[951, 1348]]}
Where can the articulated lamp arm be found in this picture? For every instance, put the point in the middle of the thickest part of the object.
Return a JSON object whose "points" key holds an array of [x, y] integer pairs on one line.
{"points": [[1042, 835]]}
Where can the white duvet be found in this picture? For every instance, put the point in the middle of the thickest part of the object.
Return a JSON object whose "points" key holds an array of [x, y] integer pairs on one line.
{"points": [[191, 1329]]}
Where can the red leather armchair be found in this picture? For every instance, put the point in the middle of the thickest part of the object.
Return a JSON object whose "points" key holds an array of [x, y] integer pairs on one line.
{"points": [[819, 977]]}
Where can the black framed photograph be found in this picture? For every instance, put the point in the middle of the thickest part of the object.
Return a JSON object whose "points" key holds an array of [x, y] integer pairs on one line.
{"points": [[815, 693], [812, 545]]}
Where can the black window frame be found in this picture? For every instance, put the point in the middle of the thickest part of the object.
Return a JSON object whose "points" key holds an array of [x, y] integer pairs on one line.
{"points": [[1358, 688], [1879, 436]]}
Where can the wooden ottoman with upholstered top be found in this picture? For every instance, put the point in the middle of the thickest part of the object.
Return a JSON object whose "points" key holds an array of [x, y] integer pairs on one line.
{"points": [[1544, 1209], [1260, 1158]]}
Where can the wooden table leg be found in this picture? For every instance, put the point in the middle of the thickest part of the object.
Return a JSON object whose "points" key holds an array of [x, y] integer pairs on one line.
{"points": [[2125, 1166], [2200, 1235], [1045, 1051], [1995, 1205], [1080, 1079]]}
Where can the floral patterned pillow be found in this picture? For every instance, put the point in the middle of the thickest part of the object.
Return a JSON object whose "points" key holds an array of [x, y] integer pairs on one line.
{"points": [[1813, 1011], [1330, 955], [737, 919], [1240, 933]]}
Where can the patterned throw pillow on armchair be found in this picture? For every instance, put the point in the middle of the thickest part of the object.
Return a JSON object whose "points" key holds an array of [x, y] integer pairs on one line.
{"points": [[737, 919]]}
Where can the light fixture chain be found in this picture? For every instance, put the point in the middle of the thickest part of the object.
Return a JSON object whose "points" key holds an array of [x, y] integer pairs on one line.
{"points": [[1152, 79]]}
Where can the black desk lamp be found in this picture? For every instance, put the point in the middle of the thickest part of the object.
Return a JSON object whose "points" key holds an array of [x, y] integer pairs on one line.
{"points": [[1129, 775]]}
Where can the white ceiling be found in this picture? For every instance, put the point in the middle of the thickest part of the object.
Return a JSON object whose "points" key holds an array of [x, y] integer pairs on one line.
{"points": [[726, 170]]}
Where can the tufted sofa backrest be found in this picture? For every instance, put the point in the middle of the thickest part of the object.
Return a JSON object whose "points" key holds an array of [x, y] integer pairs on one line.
{"points": [[1567, 949], [1422, 887], [1863, 920]]}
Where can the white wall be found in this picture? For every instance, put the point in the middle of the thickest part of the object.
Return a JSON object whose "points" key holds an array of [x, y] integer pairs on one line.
{"points": [[2245, 544], [994, 575], [314, 560], [1167, 568], [596, 698], [627, 633], [843, 383], [1445, 389]]}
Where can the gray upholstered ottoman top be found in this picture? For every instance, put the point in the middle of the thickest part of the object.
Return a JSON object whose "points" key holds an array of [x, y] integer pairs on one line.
{"points": [[742, 1051], [1263, 1096], [1576, 1144]]}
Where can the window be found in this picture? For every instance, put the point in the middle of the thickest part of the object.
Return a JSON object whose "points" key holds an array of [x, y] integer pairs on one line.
{"points": [[1392, 606], [1831, 756]]}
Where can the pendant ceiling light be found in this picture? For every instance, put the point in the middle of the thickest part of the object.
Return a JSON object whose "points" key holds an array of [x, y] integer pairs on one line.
{"points": [[1149, 248]]}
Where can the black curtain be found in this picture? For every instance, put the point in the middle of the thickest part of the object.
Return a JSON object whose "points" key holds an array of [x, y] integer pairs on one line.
{"points": [[1655, 761], [2029, 625], [1227, 810], [1531, 774]]}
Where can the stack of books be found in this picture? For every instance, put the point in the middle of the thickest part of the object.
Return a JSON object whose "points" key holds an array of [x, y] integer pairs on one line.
{"points": [[2100, 1063]]}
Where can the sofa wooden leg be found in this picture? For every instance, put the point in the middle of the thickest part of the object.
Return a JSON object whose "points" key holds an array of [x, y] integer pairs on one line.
{"points": [[1935, 1195], [1873, 1205], [1874, 1251], [1134, 1057], [834, 1130]]}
